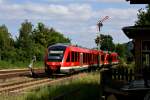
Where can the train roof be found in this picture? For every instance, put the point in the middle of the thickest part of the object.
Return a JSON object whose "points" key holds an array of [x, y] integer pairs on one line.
{"points": [[74, 47], [77, 48], [114, 54], [59, 44]]}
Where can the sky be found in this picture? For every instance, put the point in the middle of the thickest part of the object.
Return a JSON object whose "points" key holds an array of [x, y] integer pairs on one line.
{"points": [[76, 19]]}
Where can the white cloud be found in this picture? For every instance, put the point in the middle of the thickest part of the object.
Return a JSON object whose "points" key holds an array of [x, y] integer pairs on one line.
{"points": [[115, 1], [77, 19], [118, 17], [101, 1], [70, 12], [1, 1], [46, 11], [108, 1]]}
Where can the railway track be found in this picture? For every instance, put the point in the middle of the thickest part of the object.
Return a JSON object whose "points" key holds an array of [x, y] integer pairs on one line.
{"points": [[17, 72], [31, 84], [17, 87]]}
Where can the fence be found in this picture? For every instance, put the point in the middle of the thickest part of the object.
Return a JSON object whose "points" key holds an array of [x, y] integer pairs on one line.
{"points": [[120, 73], [123, 74]]}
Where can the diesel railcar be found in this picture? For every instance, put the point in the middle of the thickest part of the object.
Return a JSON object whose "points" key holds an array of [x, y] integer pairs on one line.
{"points": [[68, 58]]}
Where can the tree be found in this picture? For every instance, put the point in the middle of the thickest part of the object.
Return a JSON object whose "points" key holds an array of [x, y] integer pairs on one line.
{"points": [[121, 49], [43, 37], [6, 42], [57, 37], [129, 51], [106, 42], [24, 42], [30, 42], [144, 16]]}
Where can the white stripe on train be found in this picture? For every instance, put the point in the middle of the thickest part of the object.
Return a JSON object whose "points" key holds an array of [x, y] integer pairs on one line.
{"points": [[73, 68], [67, 69]]}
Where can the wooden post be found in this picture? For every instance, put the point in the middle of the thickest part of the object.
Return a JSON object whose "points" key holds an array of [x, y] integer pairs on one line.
{"points": [[114, 73], [122, 73], [119, 73], [126, 74], [130, 75]]}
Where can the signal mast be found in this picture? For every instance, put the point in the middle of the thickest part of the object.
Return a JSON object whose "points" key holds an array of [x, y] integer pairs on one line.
{"points": [[100, 24]]}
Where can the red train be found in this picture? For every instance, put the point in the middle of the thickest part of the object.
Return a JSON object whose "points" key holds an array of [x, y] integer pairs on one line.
{"points": [[68, 58]]}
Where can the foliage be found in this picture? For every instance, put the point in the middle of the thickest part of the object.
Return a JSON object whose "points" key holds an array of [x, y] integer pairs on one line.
{"points": [[129, 55], [6, 43], [31, 41], [106, 42], [43, 37], [24, 42], [144, 16], [18, 64], [120, 49]]}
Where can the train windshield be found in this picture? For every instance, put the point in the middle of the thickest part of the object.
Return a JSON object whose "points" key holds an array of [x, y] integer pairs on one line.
{"points": [[56, 53]]}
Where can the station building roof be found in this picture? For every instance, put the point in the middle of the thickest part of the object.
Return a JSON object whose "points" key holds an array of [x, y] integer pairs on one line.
{"points": [[132, 31]]}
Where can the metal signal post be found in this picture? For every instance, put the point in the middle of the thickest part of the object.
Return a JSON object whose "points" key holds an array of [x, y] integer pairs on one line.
{"points": [[100, 24]]}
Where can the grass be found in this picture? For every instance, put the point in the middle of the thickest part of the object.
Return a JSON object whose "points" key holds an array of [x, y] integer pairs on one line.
{"points": [[87, 89], [10, 65]]}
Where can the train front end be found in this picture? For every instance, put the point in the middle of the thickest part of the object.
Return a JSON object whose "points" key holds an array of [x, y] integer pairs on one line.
{"points": [[54, 58]]}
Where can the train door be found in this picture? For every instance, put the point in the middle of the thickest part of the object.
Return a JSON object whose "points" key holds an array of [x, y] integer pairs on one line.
{"points": [[81, 59]]}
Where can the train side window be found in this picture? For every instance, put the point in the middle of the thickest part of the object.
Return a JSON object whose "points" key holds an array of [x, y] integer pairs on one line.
{"points": [[68, 57], [92, 57], [102, 57], [110, 58], [97, 58], [84, 57], [88, 57], [74, 59], [76, 56], [72, 56], [114, 58]]}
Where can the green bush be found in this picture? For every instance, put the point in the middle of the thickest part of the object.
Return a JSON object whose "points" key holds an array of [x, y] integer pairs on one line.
{"points": [[19, 64]]}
